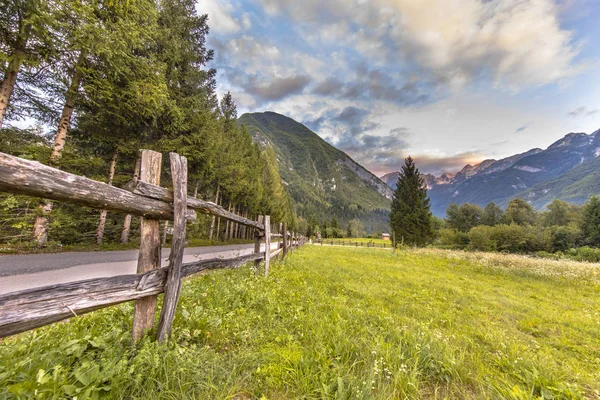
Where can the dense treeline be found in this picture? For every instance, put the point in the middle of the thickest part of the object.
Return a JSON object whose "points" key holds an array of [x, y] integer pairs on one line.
{"points": [[102, 79], [562, 228]]}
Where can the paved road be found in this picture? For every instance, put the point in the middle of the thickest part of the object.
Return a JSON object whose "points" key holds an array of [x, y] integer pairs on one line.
{"points": [[19, 272]]}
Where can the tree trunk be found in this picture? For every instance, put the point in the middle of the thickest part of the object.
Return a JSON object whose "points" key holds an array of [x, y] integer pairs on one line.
{"points": [[10, 77], [110, 177], [212, 221], [40, 228], [127, 222], [65, 119]]}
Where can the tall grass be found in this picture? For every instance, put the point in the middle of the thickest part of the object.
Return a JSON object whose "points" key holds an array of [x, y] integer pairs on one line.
{"points": [[339, 323]]}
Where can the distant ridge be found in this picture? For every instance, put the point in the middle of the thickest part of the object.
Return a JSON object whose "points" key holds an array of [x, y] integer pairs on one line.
{"points": [[568, 170]]}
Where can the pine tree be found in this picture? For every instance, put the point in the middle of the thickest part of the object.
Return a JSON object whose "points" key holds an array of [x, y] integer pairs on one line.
{"points": [[410, 217], [591, 221]]}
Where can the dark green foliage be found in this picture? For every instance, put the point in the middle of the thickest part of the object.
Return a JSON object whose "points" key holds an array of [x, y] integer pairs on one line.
{"points": [[465, 217], [410, 217], [591, 221], [520, 212], [492, 215]]}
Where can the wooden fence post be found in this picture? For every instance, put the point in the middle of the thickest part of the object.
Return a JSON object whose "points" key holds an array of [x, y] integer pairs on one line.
{"points": [[173, 285], [285, 240], [149, 253], [267, 244], [257, 244]]}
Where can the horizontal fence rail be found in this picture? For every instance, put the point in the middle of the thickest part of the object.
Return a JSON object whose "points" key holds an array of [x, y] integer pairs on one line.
{"points": [[32, 308], [32, 178], [205, 207]]}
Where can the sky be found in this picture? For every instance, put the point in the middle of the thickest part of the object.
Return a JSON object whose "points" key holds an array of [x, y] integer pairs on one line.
{"points": [[448, 82]]}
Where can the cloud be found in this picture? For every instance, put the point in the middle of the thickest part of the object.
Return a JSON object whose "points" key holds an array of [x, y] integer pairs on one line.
{"points": [[349, 121], [582, 112], [376, 153], [276, 88], [220, 17], [514, 42], [328, 87], [374, 84], [521, 129], [439, 165]]}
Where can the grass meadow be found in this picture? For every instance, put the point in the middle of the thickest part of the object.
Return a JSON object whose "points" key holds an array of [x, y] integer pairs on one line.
{"points": [[339, 323]]}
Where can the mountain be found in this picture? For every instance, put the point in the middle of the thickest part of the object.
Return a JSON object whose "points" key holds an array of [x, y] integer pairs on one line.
{"points": [[323, 181], [568, 170]]}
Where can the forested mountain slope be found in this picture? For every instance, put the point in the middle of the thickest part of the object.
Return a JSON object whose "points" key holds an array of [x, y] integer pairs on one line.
{"points": [[323, 181]]}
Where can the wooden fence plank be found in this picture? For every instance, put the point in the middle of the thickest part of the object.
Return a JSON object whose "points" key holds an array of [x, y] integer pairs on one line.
{"points": [[275, 253], [32, 308], [150, 248], [31, 178], [285, 240], [257, 237], [205, 207], [267, 244], [173, 286]]}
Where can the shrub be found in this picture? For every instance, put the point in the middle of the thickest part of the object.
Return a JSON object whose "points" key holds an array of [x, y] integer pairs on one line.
{"points": [[481, 239], [585, 253], [515, 238], [453, 239]]}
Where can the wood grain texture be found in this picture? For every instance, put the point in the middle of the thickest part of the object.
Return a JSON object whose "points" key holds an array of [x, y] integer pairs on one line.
{"points": [[31, 178], [173, 286], [28, 309], [267, 244], [257, 237], [205, 207], [150, 248], [285, 240]]}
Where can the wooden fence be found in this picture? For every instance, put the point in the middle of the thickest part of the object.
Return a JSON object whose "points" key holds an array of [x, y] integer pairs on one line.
{"points": [[28, 309]]}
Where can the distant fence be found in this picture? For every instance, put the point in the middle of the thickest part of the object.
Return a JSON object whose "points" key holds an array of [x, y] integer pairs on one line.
{"points": [[28, 309], [356, 243]]}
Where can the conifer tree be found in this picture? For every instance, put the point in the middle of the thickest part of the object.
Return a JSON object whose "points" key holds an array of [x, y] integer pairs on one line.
{"points": [[591, 221], [410, 217]]}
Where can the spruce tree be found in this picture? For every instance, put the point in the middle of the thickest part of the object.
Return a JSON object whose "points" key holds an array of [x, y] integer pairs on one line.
{"points": [[410, 217]]}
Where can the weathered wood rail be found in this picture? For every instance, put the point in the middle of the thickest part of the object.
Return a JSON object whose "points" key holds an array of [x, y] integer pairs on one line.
{"points": [[28, 309]]}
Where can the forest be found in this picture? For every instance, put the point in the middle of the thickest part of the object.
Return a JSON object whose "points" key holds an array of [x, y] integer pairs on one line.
{"points": [[87, 84]]}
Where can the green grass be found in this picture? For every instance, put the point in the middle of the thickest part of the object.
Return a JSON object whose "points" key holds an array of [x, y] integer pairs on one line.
{"points": [[339, 323]]}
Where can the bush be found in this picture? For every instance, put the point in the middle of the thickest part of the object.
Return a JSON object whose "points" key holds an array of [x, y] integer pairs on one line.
{"points": [[562, 238], [481, 239], [515, 238], [585, 253], [453, 239]]}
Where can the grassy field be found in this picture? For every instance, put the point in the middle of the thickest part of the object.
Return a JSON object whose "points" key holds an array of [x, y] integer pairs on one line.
{"points": [[339, 323]]}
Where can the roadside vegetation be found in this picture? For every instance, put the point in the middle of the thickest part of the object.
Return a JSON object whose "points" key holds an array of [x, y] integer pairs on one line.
{"points": [[335, 322]]}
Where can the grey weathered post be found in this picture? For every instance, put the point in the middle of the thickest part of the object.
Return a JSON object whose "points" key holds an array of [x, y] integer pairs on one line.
{"points": [[285, 240], [267, 244], [149, 253], [257, 237], [173, 285]]}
